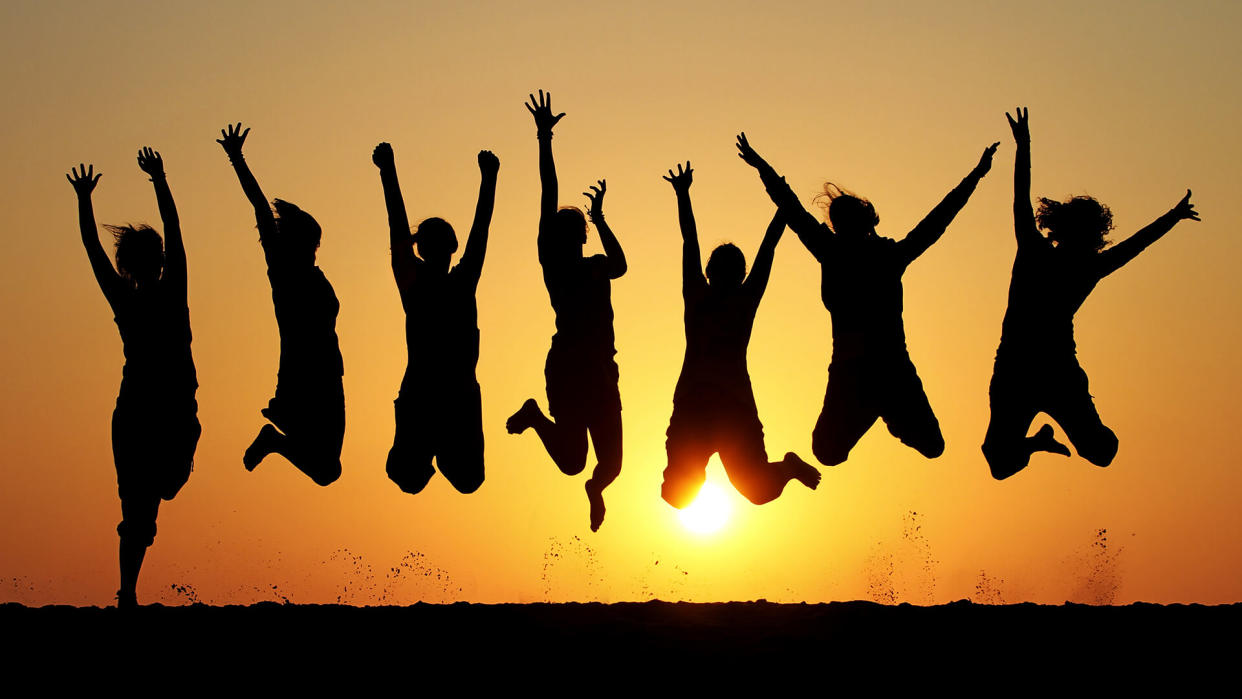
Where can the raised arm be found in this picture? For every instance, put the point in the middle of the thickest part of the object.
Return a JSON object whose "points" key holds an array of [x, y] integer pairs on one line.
{"points": [[404, 263], [692, 278], [541, 110], [757, 282], [1118, 255], [612, 249], [933, 225], [476, 245], [150, 162], [807, 227], [83, 180], [231, 140], [1024, 227]]}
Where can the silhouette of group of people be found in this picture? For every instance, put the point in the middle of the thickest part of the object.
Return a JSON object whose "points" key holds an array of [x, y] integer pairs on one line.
{"points": [[155, 429]]}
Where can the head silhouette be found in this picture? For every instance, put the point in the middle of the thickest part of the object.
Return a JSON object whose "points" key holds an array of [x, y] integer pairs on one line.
{"points": [[848, 214], [726, 267], [1078, 223], [569, 228], [436, 241], [139, 253], [298, 229]]}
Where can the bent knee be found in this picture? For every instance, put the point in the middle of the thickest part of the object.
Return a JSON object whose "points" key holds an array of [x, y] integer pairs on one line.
{"points": [[931, 448], [327, 475], [465, 483], [828, 453], [1003, 462], [1102, 449], [681, 494]]}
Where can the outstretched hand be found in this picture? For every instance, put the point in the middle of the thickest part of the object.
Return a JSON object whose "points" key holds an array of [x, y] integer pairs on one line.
{"points": [[232, 140], [489, 164], [1186, 210], [985, 160], [681, 181], [1021, 126], [150, 162], [748, 154], [596, 199], [541, 109], [382, 156], [83, 179]]}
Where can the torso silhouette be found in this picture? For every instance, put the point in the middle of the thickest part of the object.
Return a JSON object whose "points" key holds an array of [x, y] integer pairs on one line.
{"points": [[581, 294], [306, 309], [718, 328], [861, 288], [441, 326], [155, 333], [1047, 288]]}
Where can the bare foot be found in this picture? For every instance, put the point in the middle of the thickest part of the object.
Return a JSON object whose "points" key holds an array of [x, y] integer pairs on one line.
{"points": [[260, 447], [806, 474], [1044, 441], [596, 497], [524, 418]]}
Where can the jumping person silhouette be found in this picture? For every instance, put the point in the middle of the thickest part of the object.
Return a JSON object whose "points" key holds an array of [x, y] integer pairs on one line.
{"points": [[870, 375], [308, 410], [1036, 364], [713, 405], [155, 426], [438, 409], [580, 370]]}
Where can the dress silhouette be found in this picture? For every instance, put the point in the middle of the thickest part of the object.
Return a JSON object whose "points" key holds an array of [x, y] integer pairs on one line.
{"points": [[155, 426], [438, 410], [713, 405], [580, 371], [1036, 366], [870, 375], [308, 411]]}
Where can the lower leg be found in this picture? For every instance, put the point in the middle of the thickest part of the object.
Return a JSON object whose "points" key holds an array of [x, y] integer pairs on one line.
{"points": [[264, 444], [131, 555], [565, 443], [607, 440], [764, 482], [315, 460]]}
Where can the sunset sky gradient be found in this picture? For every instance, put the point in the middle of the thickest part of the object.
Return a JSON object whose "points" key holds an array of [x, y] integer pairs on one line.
{"points": [[1131, 102]]}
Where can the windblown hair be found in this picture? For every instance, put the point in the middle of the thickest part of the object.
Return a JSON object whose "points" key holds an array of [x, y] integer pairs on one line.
{"points": [[139, 249], [1081, 219], [726, 264], [843, 206], [297, 224]]}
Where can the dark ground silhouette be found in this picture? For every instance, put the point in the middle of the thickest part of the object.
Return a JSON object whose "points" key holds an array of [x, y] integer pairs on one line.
{"points": [[439, 407], [155, 426], [308, 410], [1036, 364], [713, 405], [870, 375], [554, 647], [581, 373]]}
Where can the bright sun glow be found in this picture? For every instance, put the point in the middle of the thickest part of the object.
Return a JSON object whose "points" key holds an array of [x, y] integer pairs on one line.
{"points": [[709, 511]]}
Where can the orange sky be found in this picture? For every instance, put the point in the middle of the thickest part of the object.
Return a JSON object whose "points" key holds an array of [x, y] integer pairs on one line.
{"points": [[1131, 102]]}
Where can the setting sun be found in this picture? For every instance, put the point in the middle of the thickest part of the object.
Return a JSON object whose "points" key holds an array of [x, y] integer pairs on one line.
{"points": [[709, 511]]}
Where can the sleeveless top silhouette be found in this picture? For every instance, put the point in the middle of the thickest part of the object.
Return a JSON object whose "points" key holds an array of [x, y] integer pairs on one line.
{"points": [[155, 335], [714, 374], [581, 295], [441, 327]]}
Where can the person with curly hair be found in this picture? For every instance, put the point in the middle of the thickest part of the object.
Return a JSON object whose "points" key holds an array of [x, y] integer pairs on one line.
{"points": [[1037, 366]]}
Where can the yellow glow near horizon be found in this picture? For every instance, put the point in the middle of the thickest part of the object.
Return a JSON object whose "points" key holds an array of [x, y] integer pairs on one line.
{"points": [[709, 512]]}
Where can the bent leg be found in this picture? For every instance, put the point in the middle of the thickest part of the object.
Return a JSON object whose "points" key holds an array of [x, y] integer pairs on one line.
{"points": [[1075, 412], [688, 450], [409, 460], [746, 462], [137, 533], [907, 412], [606, 437], [846, 417], [1006, 447], [461, 443]]}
